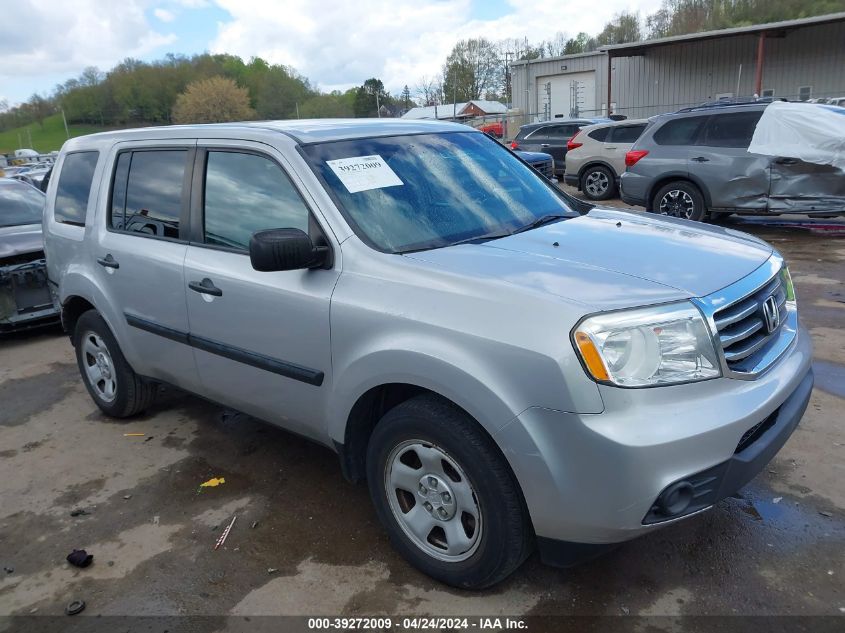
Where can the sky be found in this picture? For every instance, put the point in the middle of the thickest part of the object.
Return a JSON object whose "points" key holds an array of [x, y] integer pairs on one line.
{"points": [[335, 43]]}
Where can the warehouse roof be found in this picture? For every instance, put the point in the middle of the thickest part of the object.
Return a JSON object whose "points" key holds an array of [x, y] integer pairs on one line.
{"points": [[638, 48]]}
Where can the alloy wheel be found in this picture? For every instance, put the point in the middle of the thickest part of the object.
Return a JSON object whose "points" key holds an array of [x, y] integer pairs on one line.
{"points": [[596, 183], [99, 367], [678, 204]]}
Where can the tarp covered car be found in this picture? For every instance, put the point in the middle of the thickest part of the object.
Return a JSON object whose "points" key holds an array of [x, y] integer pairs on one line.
{"points": [[807, 142], [25, 298]]}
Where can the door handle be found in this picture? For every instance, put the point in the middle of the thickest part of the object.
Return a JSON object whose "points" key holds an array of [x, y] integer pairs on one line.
{"points": [[610, 147], [108, 262], [544, 145], [206, 286], [700, 159], [786, 161]]}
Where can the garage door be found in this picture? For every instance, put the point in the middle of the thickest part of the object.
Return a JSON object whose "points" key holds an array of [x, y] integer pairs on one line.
{"points": [[567, 95]]}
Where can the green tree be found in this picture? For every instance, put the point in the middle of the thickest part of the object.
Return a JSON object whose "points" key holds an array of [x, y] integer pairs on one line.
{"points": [[369, 97], [213, 100], [472, 70]]}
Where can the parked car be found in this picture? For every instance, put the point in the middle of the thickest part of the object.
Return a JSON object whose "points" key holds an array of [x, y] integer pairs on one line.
{"points": [[542, 162], [550, 137], [503, 372], [695, 164], [595, 156], [25, 299], [495, 129], [837, 101]]}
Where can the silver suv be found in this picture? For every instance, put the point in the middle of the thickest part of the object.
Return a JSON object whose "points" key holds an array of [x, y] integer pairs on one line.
{"points": [[503, 372], [695, 164]]}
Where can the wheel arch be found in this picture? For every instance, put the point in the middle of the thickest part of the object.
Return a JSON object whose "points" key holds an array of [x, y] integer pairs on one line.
{"points": [[596, 163], [673, 177]]}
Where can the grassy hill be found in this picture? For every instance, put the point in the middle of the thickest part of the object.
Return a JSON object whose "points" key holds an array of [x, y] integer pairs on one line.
{"points": [[44, 140]]}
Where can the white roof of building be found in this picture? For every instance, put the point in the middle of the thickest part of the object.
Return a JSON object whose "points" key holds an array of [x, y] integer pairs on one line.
{"points": [[449, 110]]}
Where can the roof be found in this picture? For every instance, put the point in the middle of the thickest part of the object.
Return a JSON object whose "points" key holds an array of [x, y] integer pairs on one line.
{"points": [[450, 110], [638, 48], [540, 60], [302, 131], [562, 121]]}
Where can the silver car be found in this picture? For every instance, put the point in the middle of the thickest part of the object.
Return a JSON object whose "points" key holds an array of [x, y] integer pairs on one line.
{"points": [[695, 164], [503, 372]]}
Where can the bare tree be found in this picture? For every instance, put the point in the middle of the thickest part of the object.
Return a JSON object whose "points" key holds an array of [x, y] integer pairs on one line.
{"points": [[426, 90]]}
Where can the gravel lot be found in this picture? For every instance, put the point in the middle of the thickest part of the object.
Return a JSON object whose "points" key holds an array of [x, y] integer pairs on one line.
{"points": [[307, 542]]}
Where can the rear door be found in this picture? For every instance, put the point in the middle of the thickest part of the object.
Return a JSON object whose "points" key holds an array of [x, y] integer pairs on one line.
{"points": [[140, 253], [261, 339], [619, 140], [734, 178]]}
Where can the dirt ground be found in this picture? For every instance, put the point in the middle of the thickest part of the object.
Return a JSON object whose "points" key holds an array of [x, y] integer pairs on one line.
{"points": [[307, 542]]}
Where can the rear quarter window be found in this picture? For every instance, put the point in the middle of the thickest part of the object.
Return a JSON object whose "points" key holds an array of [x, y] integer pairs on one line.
{"points": [[683, 131], [74, 188]]}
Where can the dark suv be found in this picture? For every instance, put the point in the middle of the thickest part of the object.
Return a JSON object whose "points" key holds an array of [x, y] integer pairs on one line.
{"points": [[550, 137], [695, 164]]}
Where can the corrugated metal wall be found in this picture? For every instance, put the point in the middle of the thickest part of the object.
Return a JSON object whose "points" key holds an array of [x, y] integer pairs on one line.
{"points": [[670, 77]]}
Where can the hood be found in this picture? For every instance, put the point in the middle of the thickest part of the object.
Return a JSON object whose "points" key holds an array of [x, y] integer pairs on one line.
{"points": [[532, 157], [20, 240], [613, 259]]}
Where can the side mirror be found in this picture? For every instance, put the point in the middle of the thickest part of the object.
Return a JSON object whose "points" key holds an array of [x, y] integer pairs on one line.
{"points": [[284, 249]]}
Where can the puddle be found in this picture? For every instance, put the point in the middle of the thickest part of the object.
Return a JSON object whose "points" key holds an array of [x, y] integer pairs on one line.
{"points": [[830, 377]]}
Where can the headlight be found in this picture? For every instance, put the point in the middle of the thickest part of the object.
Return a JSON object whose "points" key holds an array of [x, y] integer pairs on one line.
{"points": [[786, 278], [647, 346]]}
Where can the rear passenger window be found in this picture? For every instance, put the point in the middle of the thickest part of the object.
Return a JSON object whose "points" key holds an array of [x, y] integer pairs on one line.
{"points": [[74, 188], [679, 131], [627, 133], [731, 130], [245, 193], [147, 192], [600, 134]]}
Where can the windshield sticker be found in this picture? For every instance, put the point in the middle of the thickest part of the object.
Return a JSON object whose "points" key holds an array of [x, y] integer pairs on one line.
{"points": [[362, 173]]}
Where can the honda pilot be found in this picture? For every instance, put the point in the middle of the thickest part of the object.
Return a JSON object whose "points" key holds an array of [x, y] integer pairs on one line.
{"points": [[504, 372]]}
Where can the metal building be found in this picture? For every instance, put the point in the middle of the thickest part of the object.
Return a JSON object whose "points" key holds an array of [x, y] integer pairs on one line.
{"points": [[796, 59]]}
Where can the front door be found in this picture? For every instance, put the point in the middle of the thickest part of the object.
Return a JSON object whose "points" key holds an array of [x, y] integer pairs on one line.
{"points": [[799, 187], [261, 339]]}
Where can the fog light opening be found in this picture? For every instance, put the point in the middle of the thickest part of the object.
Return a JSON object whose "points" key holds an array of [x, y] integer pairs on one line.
{"points": [[675, 499]]}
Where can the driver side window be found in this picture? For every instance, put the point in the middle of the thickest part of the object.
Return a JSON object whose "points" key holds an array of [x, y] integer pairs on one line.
{"points": [[245, 193]]}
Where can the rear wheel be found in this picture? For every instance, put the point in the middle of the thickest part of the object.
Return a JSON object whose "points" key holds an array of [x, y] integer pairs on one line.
{"points": [[446, 495], [111, 382], [680, 199], [598, 183]]}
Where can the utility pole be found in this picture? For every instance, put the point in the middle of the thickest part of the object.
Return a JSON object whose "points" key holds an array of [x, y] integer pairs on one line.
{"points": [[64, 119], [297, 109], [378, 107]]}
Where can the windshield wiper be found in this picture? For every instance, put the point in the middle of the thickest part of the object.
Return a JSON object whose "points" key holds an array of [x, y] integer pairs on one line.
{"points": [[543, 219], [482, 238]]}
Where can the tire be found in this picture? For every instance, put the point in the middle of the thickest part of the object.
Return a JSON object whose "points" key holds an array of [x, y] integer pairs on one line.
{"points": [[119, 391], [476, 526], [598, 183], [680, 199]]}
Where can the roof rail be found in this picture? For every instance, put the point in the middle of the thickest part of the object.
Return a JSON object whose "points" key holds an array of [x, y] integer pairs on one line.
{"points": [[724, 103]]}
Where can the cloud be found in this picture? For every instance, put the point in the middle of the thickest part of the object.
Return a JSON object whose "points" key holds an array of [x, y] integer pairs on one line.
{"points": [[47, 38], [163, 15], [338, 43]]}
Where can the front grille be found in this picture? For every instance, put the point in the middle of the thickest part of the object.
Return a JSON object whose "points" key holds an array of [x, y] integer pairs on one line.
{"points": [[743, 329], [546, 168]]}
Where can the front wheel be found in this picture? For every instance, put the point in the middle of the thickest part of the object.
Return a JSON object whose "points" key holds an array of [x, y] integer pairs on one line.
{"points": [[111, 382], [680, 199], [446, 495]]}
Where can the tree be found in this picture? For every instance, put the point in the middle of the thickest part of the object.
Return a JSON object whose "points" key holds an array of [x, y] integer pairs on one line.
{"points": [[336, 104], [624, 27], [369, 97], [472, 70], [426, 90], [406, 98], [213, 100]]}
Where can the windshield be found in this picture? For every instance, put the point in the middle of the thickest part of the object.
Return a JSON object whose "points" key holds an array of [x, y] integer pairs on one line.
{"points": [[20, 203], [416, 192]]}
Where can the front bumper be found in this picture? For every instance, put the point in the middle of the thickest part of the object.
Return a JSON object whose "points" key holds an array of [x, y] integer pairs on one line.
{"points": [[592, 480]]}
